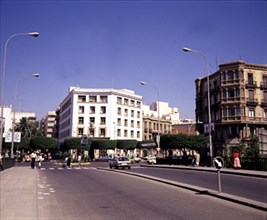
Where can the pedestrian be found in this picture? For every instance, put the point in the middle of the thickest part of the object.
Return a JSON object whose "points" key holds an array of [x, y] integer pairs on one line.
{"points": [[33, 157], [69, 162], [40, 161], [1, 163], [197, 158], [237, 164], [193, 162], [79, 160]]}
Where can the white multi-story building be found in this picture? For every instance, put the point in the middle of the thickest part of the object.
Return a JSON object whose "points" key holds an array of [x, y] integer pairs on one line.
{"points": [[100, 113], [8, 115]]}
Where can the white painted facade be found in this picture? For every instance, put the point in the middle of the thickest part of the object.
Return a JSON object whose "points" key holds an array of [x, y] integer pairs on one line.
{"points": [[101, 113], [8, 117], [165, 112]]}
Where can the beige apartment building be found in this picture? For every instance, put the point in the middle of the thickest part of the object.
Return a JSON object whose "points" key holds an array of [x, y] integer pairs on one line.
{"points": [[238, 102]]}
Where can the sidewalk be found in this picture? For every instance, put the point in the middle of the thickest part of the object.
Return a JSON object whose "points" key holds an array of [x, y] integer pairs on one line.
{"points": [[18, 193], [255, 173]]}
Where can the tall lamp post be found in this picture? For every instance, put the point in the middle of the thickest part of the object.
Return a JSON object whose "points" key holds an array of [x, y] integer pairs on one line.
{"points": [[33, 34], [14, 108], [185, 49], [158, 136]]}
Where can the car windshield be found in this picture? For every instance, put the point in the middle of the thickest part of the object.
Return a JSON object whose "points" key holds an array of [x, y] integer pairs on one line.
{"points": [[122, 159]]}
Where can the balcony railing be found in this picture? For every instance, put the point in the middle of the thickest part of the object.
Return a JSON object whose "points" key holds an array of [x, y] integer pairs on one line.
{"points": [[252, 101]]}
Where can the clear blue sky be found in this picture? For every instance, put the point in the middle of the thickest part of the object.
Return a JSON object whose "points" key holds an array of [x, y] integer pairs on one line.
{"points": [[117, 44]]}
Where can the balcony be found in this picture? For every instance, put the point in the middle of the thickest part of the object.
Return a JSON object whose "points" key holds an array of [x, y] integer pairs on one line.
{"points": [[252, 102], [251, 84], [263, 85]]}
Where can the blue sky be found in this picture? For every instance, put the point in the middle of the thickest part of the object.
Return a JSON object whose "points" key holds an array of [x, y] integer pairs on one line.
{"points": [[117, 44]]}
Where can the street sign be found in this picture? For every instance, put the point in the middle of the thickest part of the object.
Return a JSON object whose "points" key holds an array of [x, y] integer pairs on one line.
{"points": [[8, 137], [218, 163], [17, 137]]}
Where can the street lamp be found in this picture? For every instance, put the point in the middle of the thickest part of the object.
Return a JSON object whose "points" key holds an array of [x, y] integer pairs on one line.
{"points": [[158, 136], [14, 108], [185, 49], [33, 34]]}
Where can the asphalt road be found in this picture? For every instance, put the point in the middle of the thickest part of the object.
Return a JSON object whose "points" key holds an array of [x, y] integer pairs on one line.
{"points": [[95, 194], [244, 186]]}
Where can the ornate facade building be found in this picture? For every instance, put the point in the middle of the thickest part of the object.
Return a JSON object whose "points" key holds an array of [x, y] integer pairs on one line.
{"points": [[238, 101]]}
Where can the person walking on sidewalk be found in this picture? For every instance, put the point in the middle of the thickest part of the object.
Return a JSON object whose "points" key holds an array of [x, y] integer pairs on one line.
{"points": [[237, 164], [33, 157]]}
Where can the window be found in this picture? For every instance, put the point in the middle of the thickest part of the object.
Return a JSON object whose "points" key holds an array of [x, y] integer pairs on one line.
{"points": [[138, 124], [237, 92], [251, 113], [119, 122], [92, 132], [236, 74], [132, 113], [81, 121], [126, 101], [132, 123], [81, 98], [125, 122], [81, 109], [92, 98], [125, 133], [103, 110], [138, 114], [231, 93], [118, 132], [224, 93], [138, 104], [264, 81], [132, 134], [80, 131], [104, 99], [224, 76], [225, 112], [132, 103], [138, 134], [92, 110], [230, 75], [92, 120], [250, 79], [265, 96], [102, 120], [231, 111], [251, 95], [119, 100], [265, 113], [102, 132], [126, 112], [119, 111]]}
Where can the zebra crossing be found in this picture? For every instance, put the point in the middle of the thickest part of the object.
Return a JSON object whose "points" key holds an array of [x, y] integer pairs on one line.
{"points": [[68, 168]]}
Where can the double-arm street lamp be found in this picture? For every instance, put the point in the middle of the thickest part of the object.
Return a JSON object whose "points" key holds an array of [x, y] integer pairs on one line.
{"points": [[15, 105], [33, 34], [185, 49], [158, 136]]}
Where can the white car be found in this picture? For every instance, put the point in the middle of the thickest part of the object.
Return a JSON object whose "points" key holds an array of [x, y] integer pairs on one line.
{"points": [[120, 162]]}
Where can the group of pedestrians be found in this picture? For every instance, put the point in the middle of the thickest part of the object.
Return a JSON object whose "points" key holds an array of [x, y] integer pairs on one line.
{"points": [[36, 157]]}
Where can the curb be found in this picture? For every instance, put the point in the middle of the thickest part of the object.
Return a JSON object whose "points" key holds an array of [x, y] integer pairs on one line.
{"points": [[225, 196]]}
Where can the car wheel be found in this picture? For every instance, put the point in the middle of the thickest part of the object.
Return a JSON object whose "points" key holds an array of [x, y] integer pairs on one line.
{"points": [[110, 166], [129, 167]]}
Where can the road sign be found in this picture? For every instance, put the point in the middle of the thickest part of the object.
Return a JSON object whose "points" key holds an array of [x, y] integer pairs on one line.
{"points": [[218, 163]]}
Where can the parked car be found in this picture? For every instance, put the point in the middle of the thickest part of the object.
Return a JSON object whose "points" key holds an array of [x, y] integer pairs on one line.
{"points": [[134, 159], [151, 160], [120, 162]]}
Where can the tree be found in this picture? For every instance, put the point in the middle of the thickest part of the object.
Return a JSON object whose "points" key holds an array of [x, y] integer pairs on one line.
{"points": [[27, 128], [44, 143], [252, 151]]}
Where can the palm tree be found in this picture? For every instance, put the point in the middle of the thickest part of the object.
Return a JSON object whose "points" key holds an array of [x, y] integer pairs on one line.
{"points": [[26, 127]]}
